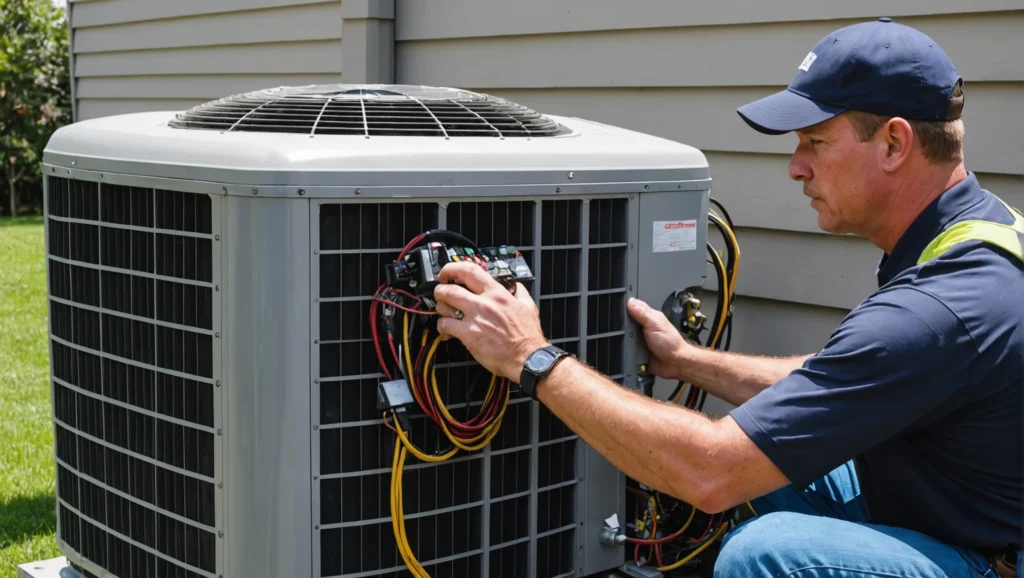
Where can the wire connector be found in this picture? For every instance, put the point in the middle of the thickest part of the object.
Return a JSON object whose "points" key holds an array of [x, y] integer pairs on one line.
{"points": [[396, 395]]}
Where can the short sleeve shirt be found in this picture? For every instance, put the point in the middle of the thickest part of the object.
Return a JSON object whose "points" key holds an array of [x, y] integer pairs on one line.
{"points": [[922, 385]]}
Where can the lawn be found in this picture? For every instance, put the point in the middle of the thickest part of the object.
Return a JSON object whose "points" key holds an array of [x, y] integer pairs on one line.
{"points": [[27, 517]]}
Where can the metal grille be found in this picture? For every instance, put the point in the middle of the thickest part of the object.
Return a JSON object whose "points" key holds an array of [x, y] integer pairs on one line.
{"points": [[511, 509], [369, 111], [131, 296]]}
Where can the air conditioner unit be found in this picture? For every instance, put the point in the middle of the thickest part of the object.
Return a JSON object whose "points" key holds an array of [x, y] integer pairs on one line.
{"points": [[213, 373]]}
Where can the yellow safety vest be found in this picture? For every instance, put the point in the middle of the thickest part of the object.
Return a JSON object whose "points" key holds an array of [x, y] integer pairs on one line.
{"points": [[1008, 237]]}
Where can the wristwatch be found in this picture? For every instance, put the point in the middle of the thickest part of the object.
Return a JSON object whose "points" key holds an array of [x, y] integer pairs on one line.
{"points": [[538, 365]]}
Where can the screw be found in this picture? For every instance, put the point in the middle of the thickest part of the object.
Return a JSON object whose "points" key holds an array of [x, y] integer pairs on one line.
{"points": [[316, 300], [217, 335], [631, 245], [316, 527], [629, 288], [217, 383], [101, 175], [255, 191], [316, 381], [224, 189], [220, 432], [220, 485], [571, 175], [316, 478], [358, 191], [216, 288], [679, 186], [220, 534], [316, 427], [316, 251], [315, 341], [73, 163], [53, 169], [216, 237], [302, 192], [631, 334], [647, 187], [629, 374], [558, 189]]}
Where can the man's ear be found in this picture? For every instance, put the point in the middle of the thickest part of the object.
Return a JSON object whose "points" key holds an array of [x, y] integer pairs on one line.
{"points": [[898, 136]]}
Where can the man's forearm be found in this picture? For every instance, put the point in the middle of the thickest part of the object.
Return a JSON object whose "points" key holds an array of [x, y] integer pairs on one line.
{"points": [[664, 446], [733, 377]]}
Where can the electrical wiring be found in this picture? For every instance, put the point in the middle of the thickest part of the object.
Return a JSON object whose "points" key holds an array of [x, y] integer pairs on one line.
{"points": [[407, 349]]}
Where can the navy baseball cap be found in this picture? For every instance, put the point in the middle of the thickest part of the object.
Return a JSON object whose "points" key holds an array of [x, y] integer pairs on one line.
{"points": [[879, 67]]}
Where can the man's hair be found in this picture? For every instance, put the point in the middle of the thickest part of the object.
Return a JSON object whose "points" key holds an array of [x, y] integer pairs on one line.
{"points": [[941, 141]]}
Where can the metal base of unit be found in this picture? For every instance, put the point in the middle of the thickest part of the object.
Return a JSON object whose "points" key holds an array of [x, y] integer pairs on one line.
{"points": [[52, 568]]}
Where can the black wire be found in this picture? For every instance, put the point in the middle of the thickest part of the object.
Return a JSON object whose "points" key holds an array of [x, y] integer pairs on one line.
{"points": [[725, 213]]}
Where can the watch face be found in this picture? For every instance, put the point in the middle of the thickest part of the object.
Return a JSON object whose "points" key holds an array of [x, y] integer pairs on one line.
{"points": [[540, 361]]}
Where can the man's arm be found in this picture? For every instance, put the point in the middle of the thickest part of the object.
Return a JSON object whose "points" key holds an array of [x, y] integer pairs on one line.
{"points": [[711, 464], [732, 377]]}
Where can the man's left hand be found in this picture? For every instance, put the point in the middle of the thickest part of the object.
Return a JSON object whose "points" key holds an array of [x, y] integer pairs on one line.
{"points": [[499, 329]]}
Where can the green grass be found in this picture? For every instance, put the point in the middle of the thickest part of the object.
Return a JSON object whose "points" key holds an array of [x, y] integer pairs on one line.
{"points": [[27, 509]]}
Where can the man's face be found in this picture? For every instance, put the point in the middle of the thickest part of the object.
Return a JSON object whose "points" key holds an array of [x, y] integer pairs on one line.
{"points": [[841, 175]]}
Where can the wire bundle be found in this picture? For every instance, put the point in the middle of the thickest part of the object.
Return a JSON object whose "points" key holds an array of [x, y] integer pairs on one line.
{"points": [[472, 433], [726, 273]]}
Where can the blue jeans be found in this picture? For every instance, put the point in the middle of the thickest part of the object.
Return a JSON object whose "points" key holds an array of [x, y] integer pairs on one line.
{"points": [[822, 531]]}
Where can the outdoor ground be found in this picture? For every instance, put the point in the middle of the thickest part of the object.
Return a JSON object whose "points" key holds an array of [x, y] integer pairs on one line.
{"points": [[27, 518]]}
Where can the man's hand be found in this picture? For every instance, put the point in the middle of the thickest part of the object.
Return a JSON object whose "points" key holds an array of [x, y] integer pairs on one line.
{"points": [[499, 329], [667, 347]]}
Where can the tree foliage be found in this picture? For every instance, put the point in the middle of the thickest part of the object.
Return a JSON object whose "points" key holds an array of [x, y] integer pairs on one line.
{"points": [[35, 94]]}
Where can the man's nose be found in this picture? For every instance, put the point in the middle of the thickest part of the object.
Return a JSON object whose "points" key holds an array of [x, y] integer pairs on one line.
{"points": [[799, 169]]}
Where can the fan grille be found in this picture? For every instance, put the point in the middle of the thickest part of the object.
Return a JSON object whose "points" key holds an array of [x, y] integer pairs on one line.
{"points": [[369, 110]]}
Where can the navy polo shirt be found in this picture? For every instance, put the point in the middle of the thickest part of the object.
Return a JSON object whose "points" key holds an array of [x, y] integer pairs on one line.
{"points": [[922, 385]]}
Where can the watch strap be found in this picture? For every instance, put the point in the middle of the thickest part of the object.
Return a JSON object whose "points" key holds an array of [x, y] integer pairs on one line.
{"points": [[531, 376]]}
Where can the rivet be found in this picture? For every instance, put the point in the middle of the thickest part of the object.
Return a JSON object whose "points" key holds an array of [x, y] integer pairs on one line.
{"points": [[358, 191], [217, 383], [216, 237], [255, 191], [302, 192], [316, 381], [220, 534], [316, 252], [571, 174]]}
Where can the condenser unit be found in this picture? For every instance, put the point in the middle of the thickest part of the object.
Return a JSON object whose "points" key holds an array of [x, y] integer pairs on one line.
{"points": [[214, 380]]}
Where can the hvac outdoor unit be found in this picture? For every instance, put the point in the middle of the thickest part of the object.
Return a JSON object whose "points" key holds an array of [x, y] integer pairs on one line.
{"points": [[214, 381]]}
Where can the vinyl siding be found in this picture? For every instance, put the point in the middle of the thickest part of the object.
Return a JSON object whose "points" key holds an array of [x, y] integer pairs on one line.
{"points": [[680, 70], [135, 55]]}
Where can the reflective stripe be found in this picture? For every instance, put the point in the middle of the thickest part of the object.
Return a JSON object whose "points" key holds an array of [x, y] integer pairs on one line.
{"points": [[1008, 237]]}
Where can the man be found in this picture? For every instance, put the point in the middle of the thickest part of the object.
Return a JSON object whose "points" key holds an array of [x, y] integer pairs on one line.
{"points": [[897, 449]]}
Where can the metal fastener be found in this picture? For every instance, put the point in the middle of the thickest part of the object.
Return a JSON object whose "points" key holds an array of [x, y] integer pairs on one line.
{"points": [[358, 191], [302, 192], [316, 251], [316, 527], [224, 189], [647, 187], [216, 288], [220, 534], [73, 163], [217, 383], [630, 287], [216, 237], [316, 428], [53, 169], [101, 175], [220, 485], [255, 191], [316, 478], [631, 334], [558, 189], [217, 335], [629, 374], [220, 432], [316, 341], [316, 381], [571, 174]]}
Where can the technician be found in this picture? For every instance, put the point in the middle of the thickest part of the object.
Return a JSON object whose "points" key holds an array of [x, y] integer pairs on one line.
{"points": [[897, 449]]}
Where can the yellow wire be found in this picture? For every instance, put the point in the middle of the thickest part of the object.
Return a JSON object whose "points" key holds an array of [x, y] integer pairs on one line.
{"points": [[693, 554]]}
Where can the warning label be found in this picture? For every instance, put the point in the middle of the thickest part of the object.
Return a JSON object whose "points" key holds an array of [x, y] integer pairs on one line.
{"points": [[675, 236]]}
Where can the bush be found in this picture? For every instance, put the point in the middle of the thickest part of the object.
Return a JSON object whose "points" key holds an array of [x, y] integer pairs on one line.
{"points": [[35, 95]]}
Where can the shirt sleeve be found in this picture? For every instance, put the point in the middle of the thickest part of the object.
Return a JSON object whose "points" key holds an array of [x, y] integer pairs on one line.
{"points": [[895, 358]]}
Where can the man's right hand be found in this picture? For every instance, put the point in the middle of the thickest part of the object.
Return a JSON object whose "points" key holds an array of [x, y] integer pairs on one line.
{"points": [[667, 347]]}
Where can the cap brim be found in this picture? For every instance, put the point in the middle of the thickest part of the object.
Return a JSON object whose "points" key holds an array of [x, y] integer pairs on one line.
{"points": [[786, 111]]}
